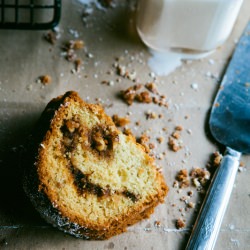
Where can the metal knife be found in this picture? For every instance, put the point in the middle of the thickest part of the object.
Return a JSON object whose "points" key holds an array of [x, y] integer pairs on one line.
{"points": [[230, 125]]}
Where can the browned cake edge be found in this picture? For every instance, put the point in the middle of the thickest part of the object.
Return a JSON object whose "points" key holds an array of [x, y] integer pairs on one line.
{"points": [[61, 219]]}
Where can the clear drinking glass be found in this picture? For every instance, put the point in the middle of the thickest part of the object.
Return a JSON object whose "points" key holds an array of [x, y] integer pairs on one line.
{"points": [[197, 26]]}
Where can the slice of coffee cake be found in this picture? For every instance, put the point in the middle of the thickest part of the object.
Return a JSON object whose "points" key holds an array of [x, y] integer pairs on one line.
{"points": [[88, 178]]}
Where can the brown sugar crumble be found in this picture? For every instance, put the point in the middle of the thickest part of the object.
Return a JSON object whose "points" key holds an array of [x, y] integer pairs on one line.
{"points": [[151, 86], [129, 94], [200, 177], [144, 97], [180, 223], [45, 79], [182, 178], [174, 141], [174, 144]]}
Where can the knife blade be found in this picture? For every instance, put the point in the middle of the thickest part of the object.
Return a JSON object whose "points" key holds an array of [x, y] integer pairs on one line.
{"points": [[230, 125]]}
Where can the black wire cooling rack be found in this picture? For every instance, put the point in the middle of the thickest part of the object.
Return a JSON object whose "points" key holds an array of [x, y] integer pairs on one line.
{"points": [[29, 14]]}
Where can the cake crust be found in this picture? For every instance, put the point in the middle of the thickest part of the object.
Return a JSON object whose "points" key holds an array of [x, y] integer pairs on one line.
{"points": [[79, 181]]}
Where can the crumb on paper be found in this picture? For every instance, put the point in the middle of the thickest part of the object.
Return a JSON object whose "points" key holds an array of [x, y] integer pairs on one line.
{"points": [[217, 159], [180, 223], [151, 115], [150, 95], [121, 70], [182, 178], [129, 94], [50, 37], [175, 142], [78, 63], [45, 79], [191, 204], [160, 139], [178, 128], [200, 176], [157, 223], [143, 97], [151, 86]]}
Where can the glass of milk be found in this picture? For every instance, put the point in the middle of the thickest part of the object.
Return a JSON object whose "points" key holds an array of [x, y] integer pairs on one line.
{"points": [[196, 26]]}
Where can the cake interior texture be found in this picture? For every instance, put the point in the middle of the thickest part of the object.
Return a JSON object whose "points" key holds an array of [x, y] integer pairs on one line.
{"points": [[95, 177]]}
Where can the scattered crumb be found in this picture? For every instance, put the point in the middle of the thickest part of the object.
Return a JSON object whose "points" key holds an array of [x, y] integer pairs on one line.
{"points": [[176, 135], [144, 97], [180, 223], [200, 177], [151, 145], [151, 115], [178, 128], [174, 141], [217, 159], [191, 204], [129, 94], [174, 144], [76, 44], [45, 79], [151, 86], [160, 139], [50, 37], [182, 178], [157, 223]]}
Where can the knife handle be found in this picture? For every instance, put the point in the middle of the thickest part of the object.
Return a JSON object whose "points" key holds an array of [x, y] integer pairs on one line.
{"points": [[207, 226]]}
